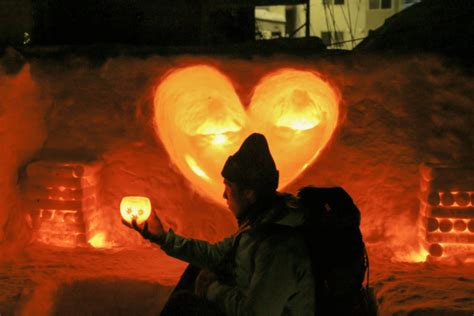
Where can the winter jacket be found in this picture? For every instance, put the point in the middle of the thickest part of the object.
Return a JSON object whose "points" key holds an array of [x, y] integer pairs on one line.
{"points": [[258, 275]]}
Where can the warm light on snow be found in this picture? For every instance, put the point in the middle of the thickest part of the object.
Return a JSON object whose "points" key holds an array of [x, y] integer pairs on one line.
{"points": [[219, 139], [99, 241], [195, 168], [296, 109], [417, 256], [446, 224], [197, 111]]}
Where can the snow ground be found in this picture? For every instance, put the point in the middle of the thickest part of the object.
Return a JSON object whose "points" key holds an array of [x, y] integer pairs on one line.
{"points": [[53, 281]]}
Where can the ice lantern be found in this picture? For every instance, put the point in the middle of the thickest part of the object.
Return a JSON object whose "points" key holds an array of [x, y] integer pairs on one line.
{"points": [[135, 207]]}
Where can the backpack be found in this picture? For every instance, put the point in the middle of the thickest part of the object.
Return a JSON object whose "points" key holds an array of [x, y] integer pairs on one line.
{"points": [[338, 256]]}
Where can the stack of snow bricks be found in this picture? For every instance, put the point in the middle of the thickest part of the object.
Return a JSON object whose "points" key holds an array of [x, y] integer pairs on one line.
{"points": [[447, 209], [61, 195]]}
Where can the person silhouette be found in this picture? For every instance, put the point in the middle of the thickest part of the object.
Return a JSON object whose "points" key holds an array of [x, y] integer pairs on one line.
{"points": [[249, 272]]}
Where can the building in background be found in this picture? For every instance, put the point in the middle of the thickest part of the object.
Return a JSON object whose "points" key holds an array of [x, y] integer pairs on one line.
{"points": [[339, 23], [342, 24], [270, 22]]}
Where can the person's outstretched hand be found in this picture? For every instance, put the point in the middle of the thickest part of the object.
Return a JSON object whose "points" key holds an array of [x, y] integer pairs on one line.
{"points": [[152, 229]]}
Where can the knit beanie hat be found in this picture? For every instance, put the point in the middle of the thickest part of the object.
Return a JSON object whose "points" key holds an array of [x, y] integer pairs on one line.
{"points": [[252, 166]]}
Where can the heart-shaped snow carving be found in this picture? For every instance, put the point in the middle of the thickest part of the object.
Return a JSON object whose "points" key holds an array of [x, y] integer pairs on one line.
{"points": [[201, 121]]}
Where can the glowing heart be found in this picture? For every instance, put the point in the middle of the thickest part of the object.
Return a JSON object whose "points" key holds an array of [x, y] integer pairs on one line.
{"points": [[201, 121]]}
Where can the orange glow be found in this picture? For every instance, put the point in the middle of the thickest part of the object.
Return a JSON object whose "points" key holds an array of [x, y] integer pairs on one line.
{"points": [[195, 168], [432, 224], [460, 225], [414, 256], [219, 139], [99, 241], [201, 121], [451, 225], [290, 93], [436, 250], [445, 225], [135, 207], [448, 237], [470, 226], [447, 199]]}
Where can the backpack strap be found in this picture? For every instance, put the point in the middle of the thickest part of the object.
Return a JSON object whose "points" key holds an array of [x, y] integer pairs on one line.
{"points": [[366, 261]]}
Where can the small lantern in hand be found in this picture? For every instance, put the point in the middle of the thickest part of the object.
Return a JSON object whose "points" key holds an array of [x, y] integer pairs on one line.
{"points": [[135, 207]]}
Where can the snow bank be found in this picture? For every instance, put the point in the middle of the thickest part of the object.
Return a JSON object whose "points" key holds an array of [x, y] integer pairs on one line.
{"points": [[23, 130], [397, 112]]}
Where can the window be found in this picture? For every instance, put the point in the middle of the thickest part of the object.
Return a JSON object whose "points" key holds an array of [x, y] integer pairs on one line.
{"points": [[326, 37], [373, 4], [386, 4], [380, 4], [333, 38]]}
